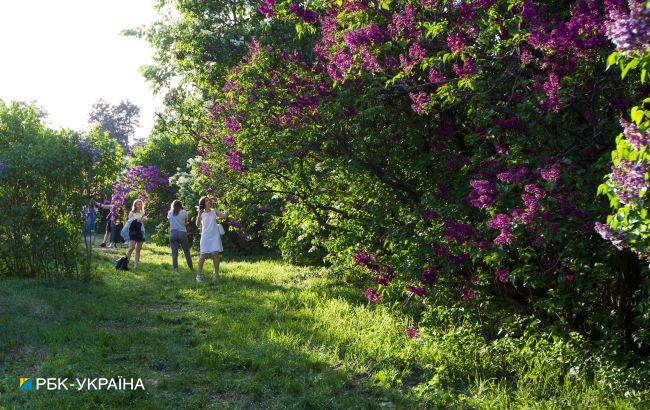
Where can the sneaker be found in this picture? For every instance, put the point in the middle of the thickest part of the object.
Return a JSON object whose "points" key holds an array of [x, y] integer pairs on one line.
{"points": [[102, 245], [199, 279]]}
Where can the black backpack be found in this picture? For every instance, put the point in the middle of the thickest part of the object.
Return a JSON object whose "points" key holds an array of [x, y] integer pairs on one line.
{"points": [[122, 263]]}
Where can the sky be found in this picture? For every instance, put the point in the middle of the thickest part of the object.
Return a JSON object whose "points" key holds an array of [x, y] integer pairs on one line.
{"points": [[67, 54]]}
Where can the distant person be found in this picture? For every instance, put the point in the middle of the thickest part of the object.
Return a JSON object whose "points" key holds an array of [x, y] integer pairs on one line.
{"points": [[211, 232], [90, 219], [107, 242], [177, 217], [134, 230], [118, 224]]}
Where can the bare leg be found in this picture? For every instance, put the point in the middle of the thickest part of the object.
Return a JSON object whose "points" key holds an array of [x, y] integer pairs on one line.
{"points": [[199, 275], [138, 248], [106, 237], [215, 261], [130, 250]]}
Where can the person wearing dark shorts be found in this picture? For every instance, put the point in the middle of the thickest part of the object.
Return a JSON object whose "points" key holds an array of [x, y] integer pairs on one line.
{"points": [[136, 220]]}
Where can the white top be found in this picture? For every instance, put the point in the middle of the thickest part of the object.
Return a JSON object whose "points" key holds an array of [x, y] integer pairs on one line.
{"points": [[177, 222], [210, 235]]}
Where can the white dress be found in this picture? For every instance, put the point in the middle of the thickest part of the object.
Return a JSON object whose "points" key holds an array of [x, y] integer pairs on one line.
{"points": [[210, 235]]}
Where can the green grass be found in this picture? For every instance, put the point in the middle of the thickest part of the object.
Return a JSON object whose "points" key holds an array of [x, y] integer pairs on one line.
{"points": [[267, 335]]}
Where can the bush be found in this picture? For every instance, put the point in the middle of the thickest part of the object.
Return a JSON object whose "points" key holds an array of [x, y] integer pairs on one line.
{"points": [[454, 150], [46, 177]]}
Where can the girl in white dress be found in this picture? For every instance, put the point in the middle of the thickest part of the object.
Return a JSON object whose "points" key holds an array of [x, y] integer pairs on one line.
{"points": [[210, 236]]}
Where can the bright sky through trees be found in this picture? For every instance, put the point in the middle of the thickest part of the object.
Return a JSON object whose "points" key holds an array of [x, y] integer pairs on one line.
{"points": [[67, 54]]}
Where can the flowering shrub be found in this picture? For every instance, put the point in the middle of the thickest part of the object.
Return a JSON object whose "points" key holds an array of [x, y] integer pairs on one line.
{"points": [[45, 179], [628, 183], [448, 151], [149, 184]]}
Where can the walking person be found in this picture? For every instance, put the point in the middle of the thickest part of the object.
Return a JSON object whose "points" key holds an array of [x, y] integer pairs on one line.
{"points": [[118, 225], [110, 222], [177, 217], [90, 224], [211, 232], [134, 228]]}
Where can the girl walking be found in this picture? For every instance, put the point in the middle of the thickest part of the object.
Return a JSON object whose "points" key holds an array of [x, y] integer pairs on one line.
{"points": [[118, 225], [110, 222], [177, 217], [135, 228], [211, 232]]}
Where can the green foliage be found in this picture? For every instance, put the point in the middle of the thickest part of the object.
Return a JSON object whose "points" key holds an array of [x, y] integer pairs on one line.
{"points": [[630, 219], [270, 335], [46, 177]]}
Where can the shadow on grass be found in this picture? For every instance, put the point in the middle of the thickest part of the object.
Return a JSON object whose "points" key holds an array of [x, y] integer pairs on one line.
{"points": [[232, 343]]}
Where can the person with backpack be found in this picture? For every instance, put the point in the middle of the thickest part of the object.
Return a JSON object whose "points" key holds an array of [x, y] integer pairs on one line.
{"points": [[134, 231]]}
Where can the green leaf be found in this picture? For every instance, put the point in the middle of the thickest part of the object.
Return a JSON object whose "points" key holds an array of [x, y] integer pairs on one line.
{"points": [[637, 115], [612, 59], [632, 64]]}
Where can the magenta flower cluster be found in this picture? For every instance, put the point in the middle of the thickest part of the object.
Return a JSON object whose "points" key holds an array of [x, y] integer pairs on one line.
{"points": [[630, 31], [373, 295], [266, 8], [308, 16], [637, 138], [628, 179], [609, 235]]}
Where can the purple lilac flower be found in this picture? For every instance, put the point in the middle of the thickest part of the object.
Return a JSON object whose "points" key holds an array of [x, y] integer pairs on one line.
{"points": [[468, 294], [514, 175], [417, 291], [364, 259], [412, 333], [420, 101], [233, 125], [86, 147], [403, 24], [455, 42], [629, 181], [500, 221], [458, 232], [429, 276], [609, 235], [354, 39], [417, 53], [308, 16], [428, 215], [372, 295], [630, 32], [502, 275], [234, 160], [482, 193], [551, 173], [637, 138], [552, 88], [266, 8], [436, 77]]}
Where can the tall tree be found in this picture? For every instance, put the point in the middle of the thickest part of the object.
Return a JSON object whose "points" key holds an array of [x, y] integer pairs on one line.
{"points": [[120, 121]]}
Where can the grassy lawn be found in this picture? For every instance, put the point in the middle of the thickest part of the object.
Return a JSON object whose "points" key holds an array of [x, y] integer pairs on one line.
{"points": [[267, 335]]}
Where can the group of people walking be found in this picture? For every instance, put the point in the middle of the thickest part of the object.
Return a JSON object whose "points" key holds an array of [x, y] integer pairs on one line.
{"points": [[133, 231]]}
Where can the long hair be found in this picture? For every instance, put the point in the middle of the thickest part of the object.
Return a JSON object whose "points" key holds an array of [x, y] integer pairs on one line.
{"points": [[176, 207], [141, 204], [202, 202]]}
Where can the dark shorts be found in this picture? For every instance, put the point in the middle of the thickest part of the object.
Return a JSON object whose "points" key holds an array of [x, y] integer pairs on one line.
{"points": [[136, 238]]}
